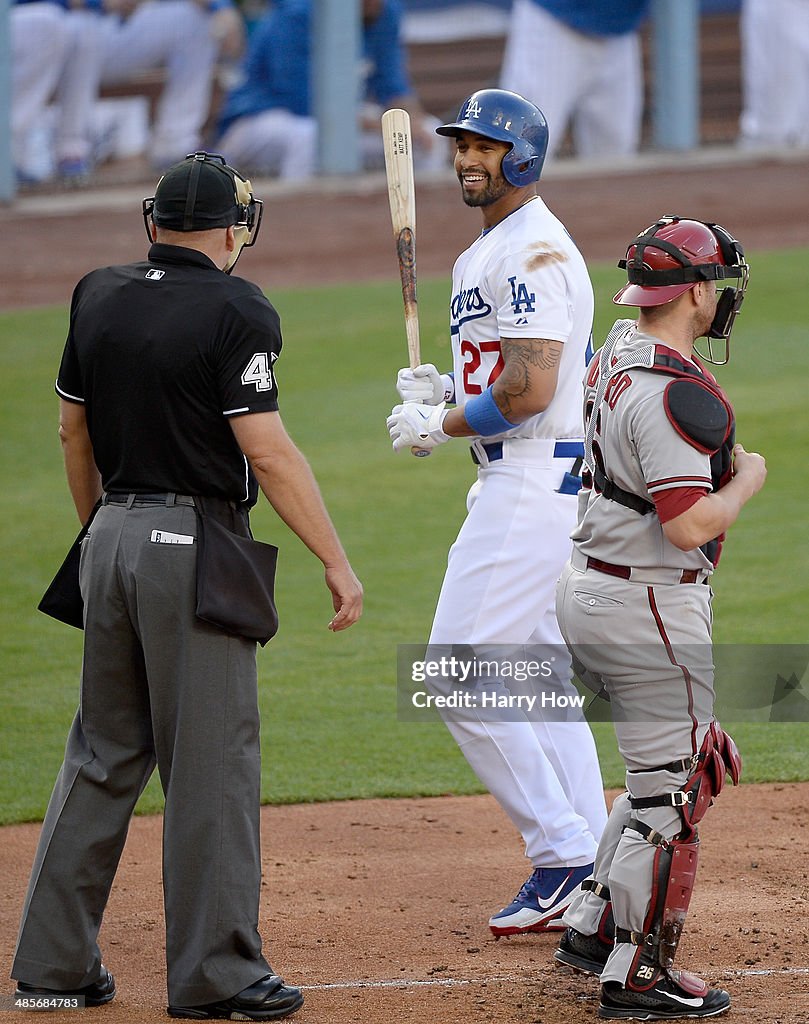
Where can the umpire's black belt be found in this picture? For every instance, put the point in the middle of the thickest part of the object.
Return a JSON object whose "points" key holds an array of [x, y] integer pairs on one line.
{"points": [[131, 498]]}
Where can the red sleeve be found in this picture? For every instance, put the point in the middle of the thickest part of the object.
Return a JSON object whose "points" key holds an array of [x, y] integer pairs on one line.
{"points": [[673, 502]]}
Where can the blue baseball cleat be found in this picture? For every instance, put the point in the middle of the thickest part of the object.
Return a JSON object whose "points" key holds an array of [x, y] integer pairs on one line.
{"points": [[539, 905]]}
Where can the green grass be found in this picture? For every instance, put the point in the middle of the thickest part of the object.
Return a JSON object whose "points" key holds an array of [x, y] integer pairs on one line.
{"points": [[328, 702]]}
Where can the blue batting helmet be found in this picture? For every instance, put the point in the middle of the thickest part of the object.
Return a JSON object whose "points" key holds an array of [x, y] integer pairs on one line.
{"points": [[507, 117]]}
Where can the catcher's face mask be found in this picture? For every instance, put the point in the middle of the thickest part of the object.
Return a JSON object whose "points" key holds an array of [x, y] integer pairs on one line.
{"points": [[730, 299], [204, 192]]}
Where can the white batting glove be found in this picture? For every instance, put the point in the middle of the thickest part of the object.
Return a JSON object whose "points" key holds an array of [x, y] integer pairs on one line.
{"points": [[424, 384], [416, 425]]}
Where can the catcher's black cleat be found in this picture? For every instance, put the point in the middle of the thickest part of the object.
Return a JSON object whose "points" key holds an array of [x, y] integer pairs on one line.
{"points": [[676, 994], [100, 992], [267, 999], [586, 953]]}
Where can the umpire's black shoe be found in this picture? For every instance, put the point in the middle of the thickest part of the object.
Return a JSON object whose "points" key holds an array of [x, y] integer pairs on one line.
{"points": [[267, 999], [582, 952], [676, 994], [100, 992]]}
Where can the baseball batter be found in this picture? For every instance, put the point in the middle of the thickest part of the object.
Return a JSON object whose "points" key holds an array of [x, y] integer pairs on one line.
{"points": [[664, 482], [520, 323]]}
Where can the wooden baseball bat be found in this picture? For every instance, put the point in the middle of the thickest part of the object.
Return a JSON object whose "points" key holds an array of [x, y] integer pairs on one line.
{"points": [[397, 141]]}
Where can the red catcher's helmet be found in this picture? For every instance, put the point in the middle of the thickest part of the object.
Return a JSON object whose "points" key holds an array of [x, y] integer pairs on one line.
{"points": [[673, 255]]}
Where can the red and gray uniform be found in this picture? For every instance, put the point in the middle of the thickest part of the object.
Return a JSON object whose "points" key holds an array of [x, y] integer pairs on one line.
{"points": [[647, 453], [636, 610]]}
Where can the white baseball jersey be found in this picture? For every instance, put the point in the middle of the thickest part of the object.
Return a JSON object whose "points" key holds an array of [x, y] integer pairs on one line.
{"points": [[523, 278]]}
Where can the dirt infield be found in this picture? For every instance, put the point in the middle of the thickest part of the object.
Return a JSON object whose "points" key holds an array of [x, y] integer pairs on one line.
{"points": [[377, 907], [334, 234]]}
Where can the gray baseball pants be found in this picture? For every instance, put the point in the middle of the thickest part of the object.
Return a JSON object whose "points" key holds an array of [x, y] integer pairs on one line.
{"points": [[157, 687], [651, 646]]}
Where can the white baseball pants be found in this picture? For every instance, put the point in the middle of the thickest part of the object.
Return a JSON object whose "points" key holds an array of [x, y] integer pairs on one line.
{"points": [[592, 82], [272, 142], [775, 73], [174, 34], [56, 54], [499, 589], [280, 143]]}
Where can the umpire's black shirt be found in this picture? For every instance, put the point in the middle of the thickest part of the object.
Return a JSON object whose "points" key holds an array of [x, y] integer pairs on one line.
{"points": [[161, 354]]}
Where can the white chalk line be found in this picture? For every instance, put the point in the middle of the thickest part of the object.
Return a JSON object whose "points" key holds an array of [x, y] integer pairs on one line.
{"points": [[410, 983], [405, 983]]}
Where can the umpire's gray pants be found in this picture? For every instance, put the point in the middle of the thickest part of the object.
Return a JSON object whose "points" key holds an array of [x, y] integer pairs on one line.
{"points": [[651, 646], [158, 686]]}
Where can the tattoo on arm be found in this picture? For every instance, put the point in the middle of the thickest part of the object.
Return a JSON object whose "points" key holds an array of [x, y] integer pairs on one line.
{"points": [[523, 357]]}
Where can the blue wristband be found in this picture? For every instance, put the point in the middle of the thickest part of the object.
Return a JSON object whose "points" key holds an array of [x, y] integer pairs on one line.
{"points": [[484, 417]]}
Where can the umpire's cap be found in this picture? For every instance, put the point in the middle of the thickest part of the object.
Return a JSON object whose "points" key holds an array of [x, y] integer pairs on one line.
{"points": [[203, 192], [199, 193]]}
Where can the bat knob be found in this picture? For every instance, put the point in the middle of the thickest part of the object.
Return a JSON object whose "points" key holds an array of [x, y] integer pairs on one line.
{"points": [[420, 453]]}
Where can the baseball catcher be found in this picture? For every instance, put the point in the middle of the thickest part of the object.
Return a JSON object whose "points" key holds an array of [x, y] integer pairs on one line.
{"points": [[664, 480]]}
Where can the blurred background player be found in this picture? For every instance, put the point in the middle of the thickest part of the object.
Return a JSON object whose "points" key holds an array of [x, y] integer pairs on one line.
{"points": [[67, 55], [520, 323], [775, 73], [184, 37], [580, 61], [266, 124], [53, 59]]}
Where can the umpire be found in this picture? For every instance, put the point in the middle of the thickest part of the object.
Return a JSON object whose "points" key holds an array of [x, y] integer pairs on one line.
{"points": [[169, 408]]}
